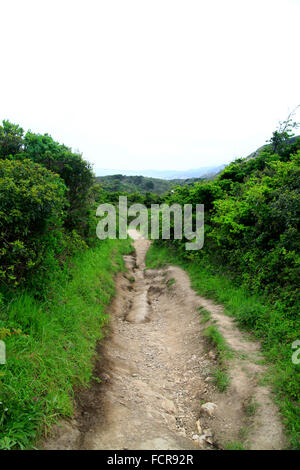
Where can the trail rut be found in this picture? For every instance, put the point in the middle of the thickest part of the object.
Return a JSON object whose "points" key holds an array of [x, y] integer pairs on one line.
{"points": [[156, 371]]}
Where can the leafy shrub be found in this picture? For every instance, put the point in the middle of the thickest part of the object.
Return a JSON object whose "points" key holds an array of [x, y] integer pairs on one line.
{"points": [[252, 222], [31, 216], [58, 158], [72, 168]]}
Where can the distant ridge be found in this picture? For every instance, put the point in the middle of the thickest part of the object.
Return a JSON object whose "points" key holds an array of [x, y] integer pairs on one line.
{"points": [[162, 174], [290, 141]]}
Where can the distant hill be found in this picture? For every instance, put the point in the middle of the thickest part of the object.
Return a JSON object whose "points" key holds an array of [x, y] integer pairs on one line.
{"points": [[257, 152], [163, 174], [135, 183], [161, 181]]}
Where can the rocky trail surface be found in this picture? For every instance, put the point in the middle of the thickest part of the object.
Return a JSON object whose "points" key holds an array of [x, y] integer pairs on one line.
{"points": [[156, 369]]}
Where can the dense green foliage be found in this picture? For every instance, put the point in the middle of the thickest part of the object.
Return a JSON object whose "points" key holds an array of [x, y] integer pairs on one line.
{"points": [[32, 201], [252, 214], [76, 173], [45, 206], [51, 343]]}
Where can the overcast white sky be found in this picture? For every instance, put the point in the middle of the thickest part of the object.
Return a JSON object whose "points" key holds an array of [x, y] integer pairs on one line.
{"points": [[160, 84]]}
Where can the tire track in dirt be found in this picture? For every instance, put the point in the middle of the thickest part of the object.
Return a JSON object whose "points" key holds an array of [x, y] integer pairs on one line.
{"points": [[156, 373]]}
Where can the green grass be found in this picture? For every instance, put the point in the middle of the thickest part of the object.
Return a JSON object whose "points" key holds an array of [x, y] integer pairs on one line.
{"points": [[206, 315], [170, 283], [250, 406], [221, 376], [222, 380], [217, 340], [234, 445], [51, 344], [269, 323], [243, 433]]}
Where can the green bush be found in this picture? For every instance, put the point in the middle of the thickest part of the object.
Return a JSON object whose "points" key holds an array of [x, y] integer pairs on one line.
{"points": [[252, 222], [76, 173], [72, 168], [46, 206], [31, 217]]}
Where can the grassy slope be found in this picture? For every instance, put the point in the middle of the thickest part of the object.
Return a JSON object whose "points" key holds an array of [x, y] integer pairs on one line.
{"points": [[55, 349], [249, 310]]}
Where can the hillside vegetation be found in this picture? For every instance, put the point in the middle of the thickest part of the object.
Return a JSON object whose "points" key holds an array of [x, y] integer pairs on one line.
{"points": [[132, 184], [45, 206], [142, 184]]}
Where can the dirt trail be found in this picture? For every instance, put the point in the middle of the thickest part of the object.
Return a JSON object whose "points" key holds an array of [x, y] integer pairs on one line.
{"points": [[156, 372]]}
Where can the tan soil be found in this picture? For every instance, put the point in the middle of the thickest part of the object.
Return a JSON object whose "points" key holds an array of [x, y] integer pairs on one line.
{"points": [[156, 371]]}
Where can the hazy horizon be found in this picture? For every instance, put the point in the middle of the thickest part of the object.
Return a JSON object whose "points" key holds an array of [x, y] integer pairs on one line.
{"points": [[159, 85], [162, 174]]}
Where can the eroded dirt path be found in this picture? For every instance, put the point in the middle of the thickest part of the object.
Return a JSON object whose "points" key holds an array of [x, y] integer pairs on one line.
{"points": [[156, 373]]}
